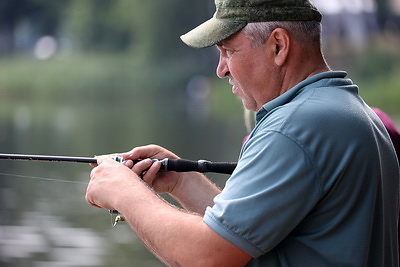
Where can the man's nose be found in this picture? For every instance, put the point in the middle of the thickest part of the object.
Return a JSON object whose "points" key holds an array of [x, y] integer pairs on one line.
{"points": [[222, 68]]}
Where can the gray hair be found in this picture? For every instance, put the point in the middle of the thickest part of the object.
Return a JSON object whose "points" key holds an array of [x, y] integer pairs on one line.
{"points": [[304, 32]]}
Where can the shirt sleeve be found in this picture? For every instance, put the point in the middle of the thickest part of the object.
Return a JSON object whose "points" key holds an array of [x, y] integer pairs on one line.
{"points": [[272, 189]]}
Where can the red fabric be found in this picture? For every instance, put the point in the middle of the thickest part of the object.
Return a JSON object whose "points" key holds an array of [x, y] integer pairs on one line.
{"points": [[391, 128], [395, 136]]}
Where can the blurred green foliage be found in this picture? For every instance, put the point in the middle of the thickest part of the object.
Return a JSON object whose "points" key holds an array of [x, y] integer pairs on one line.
{"points": [[95, 78], [149, 29], [376, 71]]}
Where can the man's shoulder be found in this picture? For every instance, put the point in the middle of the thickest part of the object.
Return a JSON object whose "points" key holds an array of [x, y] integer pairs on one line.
{"points": [[312, 109]]}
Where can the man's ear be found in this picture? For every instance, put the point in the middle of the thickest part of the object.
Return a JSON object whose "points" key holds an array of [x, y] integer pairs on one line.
{"points": [[281, 40]]}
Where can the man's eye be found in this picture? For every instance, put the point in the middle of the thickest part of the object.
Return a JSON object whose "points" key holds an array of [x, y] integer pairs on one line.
{"points": [[229, 52]]}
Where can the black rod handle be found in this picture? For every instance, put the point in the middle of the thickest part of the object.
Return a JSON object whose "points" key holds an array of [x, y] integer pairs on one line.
{"points": [[184, 165]]}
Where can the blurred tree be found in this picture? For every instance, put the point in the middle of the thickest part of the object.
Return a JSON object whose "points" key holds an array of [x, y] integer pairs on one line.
{"points": [[10, 12], [383, 11], [146, 28], [146, 31], [40, 17], [90, 26]]}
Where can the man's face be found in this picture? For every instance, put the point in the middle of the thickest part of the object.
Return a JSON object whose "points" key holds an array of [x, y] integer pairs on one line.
{"points": [[251, 70]]}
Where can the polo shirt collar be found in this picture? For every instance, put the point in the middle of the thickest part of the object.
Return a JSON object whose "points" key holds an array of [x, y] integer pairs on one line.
{"points": [[314, 81]]}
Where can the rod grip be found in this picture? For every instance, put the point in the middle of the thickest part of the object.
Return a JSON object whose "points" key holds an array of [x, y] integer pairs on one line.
{"points": [[221, 167], [184, 165]]}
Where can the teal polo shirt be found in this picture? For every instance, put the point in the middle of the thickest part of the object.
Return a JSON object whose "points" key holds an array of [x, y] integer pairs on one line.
{"points": [[317, 182]]}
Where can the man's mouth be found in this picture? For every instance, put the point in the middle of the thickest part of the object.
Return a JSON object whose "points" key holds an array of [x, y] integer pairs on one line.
{"points": [[234, 86]]}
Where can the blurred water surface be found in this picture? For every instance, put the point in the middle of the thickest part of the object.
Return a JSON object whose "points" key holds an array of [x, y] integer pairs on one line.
{"points": [[44, 219]]}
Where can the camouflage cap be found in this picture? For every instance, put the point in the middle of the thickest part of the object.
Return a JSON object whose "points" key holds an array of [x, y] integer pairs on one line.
{"points": [[233, 15]]}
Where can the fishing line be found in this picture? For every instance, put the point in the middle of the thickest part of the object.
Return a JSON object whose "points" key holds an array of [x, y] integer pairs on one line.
{"points": [[42, 178]]}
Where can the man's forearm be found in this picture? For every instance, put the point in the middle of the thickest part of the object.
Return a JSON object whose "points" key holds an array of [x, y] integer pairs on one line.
{"points": [[176, 237], [195, 192]]}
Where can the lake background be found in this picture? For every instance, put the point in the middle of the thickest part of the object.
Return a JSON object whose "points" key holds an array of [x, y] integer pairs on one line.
{"points": [[85, 78]]}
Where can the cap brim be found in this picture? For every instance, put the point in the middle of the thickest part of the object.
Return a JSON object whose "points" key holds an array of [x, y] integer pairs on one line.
{"points": [[211, 32]]}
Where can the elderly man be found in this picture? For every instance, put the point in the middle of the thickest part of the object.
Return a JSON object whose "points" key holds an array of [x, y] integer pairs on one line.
{"points": [[317, 181]]}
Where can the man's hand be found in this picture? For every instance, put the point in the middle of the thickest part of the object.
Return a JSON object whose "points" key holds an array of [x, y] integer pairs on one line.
{"points": [[161, 182], [110, 179]]}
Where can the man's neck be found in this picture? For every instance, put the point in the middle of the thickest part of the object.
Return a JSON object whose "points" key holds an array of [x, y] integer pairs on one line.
{"points": [[304, 67]]}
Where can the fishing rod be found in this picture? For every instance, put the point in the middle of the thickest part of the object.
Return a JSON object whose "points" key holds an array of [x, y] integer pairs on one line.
{"points": [[47, 158], [177, 165]]}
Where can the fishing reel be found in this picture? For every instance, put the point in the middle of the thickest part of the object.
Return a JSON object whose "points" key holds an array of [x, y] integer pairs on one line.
{"points": [[118, 217], [118, 159]]}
